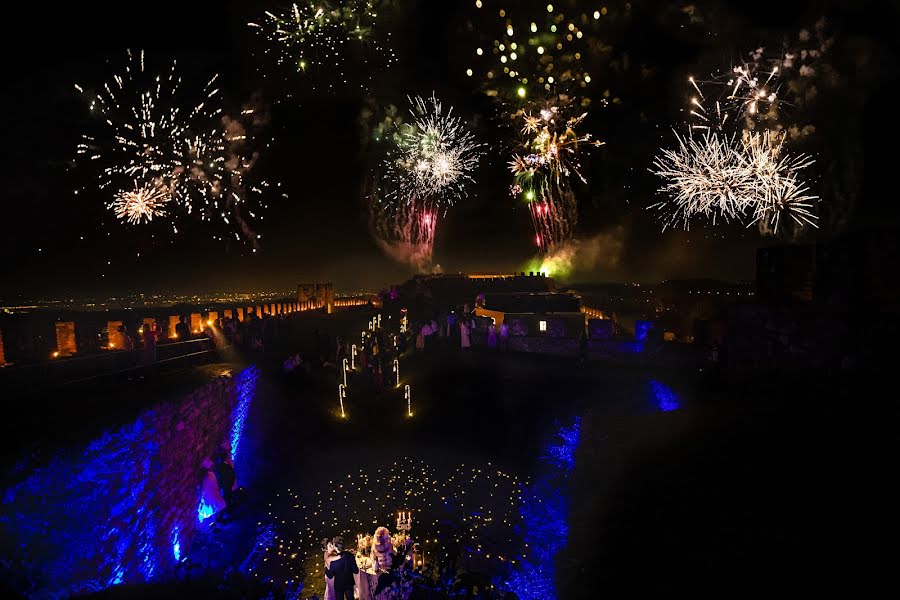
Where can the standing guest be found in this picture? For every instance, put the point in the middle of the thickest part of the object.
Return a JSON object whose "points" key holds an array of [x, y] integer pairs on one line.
{"points": [[452, 329], [383, 562], [378, 374], [504, 337], [209, 487], [435, 328], [224, 469], [127, 340], [442, 327], [492, 336], [382, 550], [342, 569], [422, 337], [341, 351], [150, 335], [363, 359], [182, 331], [464, 335]]}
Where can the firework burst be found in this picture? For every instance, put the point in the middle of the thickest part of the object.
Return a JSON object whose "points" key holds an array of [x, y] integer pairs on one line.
{"points": [[722, 177], [141, 204], [194, 157], [146, 133], [320, 40], [704, 176], [426, 170], [435, 158], [544, 164], [779, 191]]}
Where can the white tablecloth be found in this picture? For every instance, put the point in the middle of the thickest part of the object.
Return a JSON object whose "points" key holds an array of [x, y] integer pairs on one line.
{"points": [[366, 582]]}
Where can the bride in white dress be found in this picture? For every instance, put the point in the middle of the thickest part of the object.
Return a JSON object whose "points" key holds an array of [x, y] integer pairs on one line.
{"points": [[330, 555]]}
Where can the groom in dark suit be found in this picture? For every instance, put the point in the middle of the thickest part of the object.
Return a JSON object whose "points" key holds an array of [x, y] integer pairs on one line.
{"points": [[342, 570]]}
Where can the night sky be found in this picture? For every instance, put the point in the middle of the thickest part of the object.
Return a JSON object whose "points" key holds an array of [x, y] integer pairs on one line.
{"points": [[57, 244]]}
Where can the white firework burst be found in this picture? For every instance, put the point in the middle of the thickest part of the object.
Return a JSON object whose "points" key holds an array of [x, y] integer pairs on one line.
{"points": [[718, 176], [704, 176], [436, 156], [141, 204]]}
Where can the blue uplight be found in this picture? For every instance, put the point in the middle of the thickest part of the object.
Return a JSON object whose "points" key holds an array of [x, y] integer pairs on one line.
{"points": [[245, 384], [176, 546], [641, 329], [204, 510], [561, 450], [665, 398]]}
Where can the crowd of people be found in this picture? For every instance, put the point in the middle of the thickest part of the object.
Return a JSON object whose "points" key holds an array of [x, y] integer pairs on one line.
{"points": [[254, 333], [457, 330]]}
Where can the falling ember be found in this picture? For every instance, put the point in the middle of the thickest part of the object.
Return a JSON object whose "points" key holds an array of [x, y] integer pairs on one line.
{"points": [[140, 204]]}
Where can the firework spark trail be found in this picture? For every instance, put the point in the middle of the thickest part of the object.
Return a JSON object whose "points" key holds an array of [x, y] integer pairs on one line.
{"points": [[749, 93], [321, 39], [545, 162], [552, 218], [405, 230]]}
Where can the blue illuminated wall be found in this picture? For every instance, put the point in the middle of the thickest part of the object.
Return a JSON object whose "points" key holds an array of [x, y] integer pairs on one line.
{"points": [[123, 509], [545, 524]]}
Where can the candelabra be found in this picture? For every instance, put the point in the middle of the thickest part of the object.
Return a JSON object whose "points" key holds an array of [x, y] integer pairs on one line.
{"points": [[404, 523]]}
